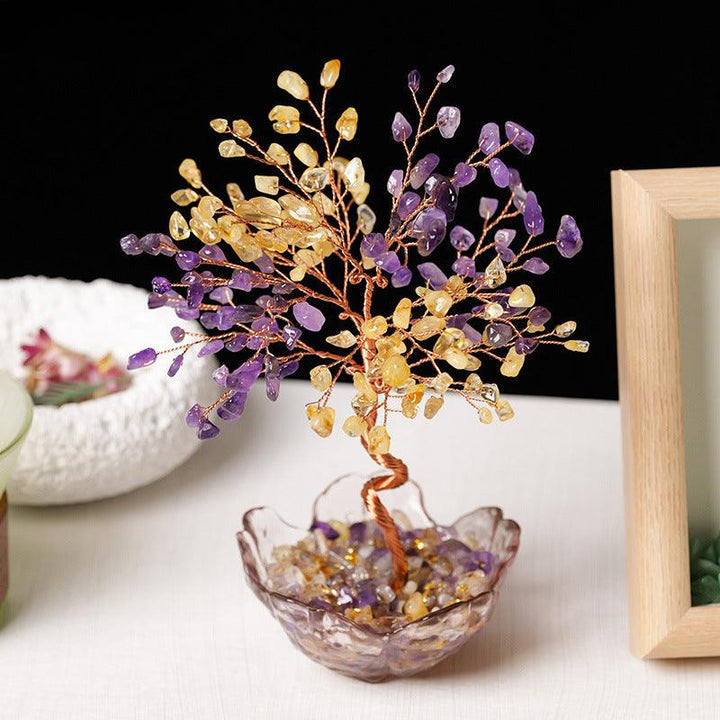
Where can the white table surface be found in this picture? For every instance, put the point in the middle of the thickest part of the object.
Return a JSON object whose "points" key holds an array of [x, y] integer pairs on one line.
{"points": [[136, 607]]}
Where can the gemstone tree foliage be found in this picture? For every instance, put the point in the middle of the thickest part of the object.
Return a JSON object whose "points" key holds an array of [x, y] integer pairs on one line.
{"points": [[274, 261]]}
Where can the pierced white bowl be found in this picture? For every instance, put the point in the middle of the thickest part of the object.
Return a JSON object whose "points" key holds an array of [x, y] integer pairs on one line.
{"points": [[103, 447]]}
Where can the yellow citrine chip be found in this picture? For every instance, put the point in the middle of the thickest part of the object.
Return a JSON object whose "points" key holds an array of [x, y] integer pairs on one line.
{"points": [[234, 192], [456, 285], [522, 297], [314, 179], [365, 219], [206, 229], [375, 327], [309, 258], [354, 172], [408, 407], [438, 302], [346, 124], [274, 242], [298, 273], [363, 386], [444, 342], [321, 378], [432, 406], [401, 314], [495, 274], [457, 358], [415, 392], [512, 364], [189, 171], [184, 197], [324, 248], [344, 339], [493, 311], [285, 119], [316, 235], [395, 371], [415, 607], [392, 345], [300, 210], [242, 128], [426, 327], [411, 400], [354, 426], [278, 154], [330, 73], [321, 419], [378, 440], [441, 383], [566, 329], [338, 164], [219, 125], [504, 411], [291, 236], [306, 154], [310, 180], [363, 405], [473, 384], [208, 206], [229, 148], [485, 415], [577, 345], [472, 364], [360, 191], [231, 228], [292, 83], [267, 184], [261, 211], [179, 229], [247, 249]]}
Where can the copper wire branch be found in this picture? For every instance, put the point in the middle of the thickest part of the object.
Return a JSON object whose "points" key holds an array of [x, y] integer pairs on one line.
{"points": [[318, 246]]}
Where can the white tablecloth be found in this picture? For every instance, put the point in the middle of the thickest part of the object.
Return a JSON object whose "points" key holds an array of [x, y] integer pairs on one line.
{"points": [[137, 608]]}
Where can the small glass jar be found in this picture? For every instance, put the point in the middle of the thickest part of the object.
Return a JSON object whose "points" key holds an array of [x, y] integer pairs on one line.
{"points": [[16, 411]]}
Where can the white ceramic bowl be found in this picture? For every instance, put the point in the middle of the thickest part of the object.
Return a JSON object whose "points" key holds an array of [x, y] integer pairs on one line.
{"points": [[110, 445]]}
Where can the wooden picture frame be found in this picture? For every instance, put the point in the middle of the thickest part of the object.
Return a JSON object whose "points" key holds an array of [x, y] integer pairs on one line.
{"points": [[646, 206]]}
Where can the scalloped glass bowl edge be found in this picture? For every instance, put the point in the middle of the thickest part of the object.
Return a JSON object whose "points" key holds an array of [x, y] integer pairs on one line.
{"points": [[331, 639]]}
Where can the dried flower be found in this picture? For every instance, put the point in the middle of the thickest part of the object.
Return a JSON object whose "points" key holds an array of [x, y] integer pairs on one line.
{"points": [[58, 375]]}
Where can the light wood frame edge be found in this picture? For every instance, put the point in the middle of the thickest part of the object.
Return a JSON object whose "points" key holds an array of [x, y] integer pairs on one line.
{"points": [[646, 206]]}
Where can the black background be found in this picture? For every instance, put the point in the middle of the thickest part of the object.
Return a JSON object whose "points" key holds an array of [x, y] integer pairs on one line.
{"points": [[104, 108]]}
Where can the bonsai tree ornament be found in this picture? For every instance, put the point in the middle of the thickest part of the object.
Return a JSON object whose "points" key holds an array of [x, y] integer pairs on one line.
{"points": [[277, 260]]}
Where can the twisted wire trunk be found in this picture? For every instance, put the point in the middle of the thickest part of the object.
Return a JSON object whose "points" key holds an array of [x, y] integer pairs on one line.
{"points": [[381, 515], [399, 476]]}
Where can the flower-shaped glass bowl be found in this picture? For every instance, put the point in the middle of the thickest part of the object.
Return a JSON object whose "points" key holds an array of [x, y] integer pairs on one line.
{"points": [[330, 638]]}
